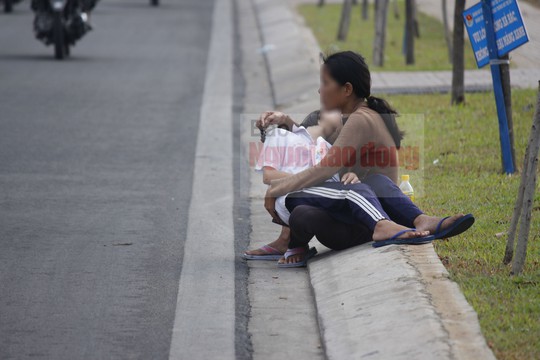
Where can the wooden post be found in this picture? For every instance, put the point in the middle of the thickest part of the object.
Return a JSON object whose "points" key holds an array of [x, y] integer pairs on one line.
{"points": [[509, 252], [523, 206], [345, 20], [529, 182]]}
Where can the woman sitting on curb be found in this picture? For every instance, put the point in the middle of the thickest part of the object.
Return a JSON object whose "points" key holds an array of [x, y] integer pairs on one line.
{"points": [[369, 132]]}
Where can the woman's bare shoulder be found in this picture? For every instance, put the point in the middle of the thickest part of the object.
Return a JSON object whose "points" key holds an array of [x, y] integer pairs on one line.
{"points": [[365, 112], [362, 117]]}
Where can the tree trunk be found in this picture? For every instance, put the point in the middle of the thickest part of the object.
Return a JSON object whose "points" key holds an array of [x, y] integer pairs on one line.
{"points": [[409, 32], [458, 60], [395, 6], [345, 20], [365, 10], [415, 19], [516, 215], [381, 10], [321, 3], [447, 35], [528, 186]]}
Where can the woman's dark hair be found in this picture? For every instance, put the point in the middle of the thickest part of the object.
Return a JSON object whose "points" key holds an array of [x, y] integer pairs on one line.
{"points": [[312, 119], [350, 67]]}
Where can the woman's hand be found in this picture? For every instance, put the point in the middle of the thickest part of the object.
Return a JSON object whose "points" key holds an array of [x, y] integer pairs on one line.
{"points": [[270, 206], [278, 118], [349, 178]]}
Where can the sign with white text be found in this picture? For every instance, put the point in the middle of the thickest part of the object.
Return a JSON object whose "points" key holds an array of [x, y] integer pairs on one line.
{"points": [[510, 31]]}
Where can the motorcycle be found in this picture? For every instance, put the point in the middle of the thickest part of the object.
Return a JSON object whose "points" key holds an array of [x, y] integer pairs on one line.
{"points": [[8, 5], [61, 23]]}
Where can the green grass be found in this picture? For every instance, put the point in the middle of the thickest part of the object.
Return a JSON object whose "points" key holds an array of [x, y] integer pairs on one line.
{"points": [[430, 49], [460, 171], [467, 178]]}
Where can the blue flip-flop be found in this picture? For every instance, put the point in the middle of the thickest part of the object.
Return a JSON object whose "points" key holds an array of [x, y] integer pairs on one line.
{"points": [[459, 226], [410, 241]]}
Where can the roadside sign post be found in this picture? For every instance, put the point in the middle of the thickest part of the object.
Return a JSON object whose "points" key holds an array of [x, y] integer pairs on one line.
{"points": [[494, 63], [495, 28]]}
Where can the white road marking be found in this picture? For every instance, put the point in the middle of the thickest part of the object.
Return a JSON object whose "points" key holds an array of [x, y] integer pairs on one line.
{"points": [[205, 308]]}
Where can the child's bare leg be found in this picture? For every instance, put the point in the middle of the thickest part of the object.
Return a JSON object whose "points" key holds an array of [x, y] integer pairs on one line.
{"points": [[281, 243]]}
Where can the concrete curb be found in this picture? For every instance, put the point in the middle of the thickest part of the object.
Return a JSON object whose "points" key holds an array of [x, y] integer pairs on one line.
{"points": [[393, 302], [457, 316], [206, 274], [292, 56], [282, 321], [372, 303]]}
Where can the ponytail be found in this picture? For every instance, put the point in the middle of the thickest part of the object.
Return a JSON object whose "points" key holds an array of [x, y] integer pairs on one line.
{"points": [[388, 114]]}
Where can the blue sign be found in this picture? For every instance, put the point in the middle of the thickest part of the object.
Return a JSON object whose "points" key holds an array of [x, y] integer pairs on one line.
{"points": [[510, 31]]}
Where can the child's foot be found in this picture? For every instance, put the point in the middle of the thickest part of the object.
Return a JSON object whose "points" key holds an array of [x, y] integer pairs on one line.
{"points": [[430, 223], [385, 229], [278, 244]]}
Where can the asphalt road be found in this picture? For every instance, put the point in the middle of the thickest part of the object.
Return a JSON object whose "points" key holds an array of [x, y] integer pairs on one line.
{"points": [[96, 159]]}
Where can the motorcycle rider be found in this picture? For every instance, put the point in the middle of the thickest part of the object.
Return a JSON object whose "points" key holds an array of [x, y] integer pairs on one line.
{"points": [[77, 27]]}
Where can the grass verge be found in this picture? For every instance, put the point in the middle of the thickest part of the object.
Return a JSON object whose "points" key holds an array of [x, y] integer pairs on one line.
{"points": [[462, 173], [430, 49]]}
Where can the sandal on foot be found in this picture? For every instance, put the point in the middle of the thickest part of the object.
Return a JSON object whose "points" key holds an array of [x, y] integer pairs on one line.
{"points": [[271, 254], [300, 250], [459, 226], [394, 240]]}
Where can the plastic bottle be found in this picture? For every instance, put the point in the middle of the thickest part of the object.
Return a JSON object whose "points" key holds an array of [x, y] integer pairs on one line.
{"points": [[406, 187]]}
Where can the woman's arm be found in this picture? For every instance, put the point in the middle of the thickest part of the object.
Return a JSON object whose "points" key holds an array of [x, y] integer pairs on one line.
{"points": [[357, 132], [269, 174]]}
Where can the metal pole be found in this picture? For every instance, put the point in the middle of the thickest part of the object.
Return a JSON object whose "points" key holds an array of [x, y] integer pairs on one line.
{"points": [[506, 148]]}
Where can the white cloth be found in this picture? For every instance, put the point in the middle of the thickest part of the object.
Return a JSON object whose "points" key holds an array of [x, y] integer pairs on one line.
{"points": [[291, 152]]}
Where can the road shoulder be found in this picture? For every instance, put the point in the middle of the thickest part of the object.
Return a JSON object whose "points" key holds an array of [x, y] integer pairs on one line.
{"points": [[391, 302], [283, 319]]}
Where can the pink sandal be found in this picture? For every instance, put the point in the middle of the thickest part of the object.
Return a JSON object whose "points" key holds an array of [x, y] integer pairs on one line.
{"points": [[271, 254]]}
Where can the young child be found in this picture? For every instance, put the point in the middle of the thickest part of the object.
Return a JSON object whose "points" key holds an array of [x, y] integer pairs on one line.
{"points": [[289, 152]]}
